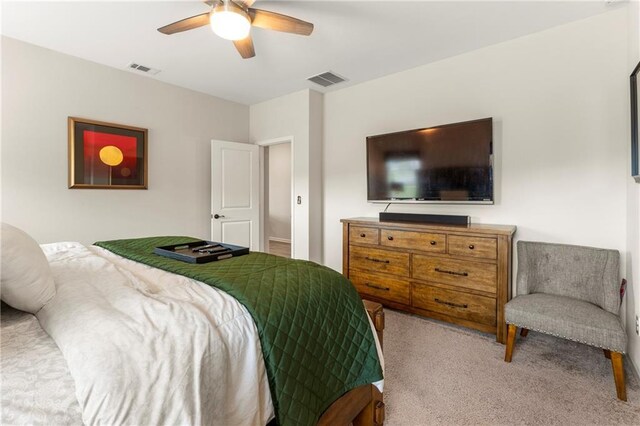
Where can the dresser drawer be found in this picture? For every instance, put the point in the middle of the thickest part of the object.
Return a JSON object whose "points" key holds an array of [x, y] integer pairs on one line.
{"points": [[363, 235], [481, 247], [455, 303], [460, 273], [434, 243], [380, 286], [377, 260]]}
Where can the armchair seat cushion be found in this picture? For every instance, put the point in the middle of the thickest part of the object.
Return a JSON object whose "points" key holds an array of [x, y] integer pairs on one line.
{"points": [[568, 318]]}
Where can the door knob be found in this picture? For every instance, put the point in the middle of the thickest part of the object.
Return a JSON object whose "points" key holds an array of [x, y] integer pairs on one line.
{"points": [[217, 216]]}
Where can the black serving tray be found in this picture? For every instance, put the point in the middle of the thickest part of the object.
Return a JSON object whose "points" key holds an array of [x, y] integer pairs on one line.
{"points": [[185, 253]]}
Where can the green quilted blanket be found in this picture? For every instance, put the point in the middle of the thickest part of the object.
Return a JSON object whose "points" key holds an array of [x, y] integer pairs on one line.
{"points": [[316, 340]]}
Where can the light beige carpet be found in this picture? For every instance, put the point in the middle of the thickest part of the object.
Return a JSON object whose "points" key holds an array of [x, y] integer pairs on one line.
{"points": [[443, 374]]}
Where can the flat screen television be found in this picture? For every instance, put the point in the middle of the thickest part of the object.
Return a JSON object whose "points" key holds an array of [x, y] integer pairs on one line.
{"points": [[452, 163]]}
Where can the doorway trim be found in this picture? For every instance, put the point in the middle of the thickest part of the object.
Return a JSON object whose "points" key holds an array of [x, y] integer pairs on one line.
{"points": [[264, 144]]}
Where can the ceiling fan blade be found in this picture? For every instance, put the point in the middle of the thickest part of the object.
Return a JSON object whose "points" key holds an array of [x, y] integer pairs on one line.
{"points": [[246, 3], [279, 22], [186, 24], [245, 47]]}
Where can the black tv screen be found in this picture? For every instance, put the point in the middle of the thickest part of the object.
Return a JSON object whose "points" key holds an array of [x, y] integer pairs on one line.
{"points": [[450, 163]]}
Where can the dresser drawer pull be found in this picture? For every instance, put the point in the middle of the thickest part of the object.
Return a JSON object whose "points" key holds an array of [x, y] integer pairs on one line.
{"points": [[444, 271], [377, 287], [390, 238], [471, 246], [363, 235], [454, 305], [433, 243], [373, 259]]}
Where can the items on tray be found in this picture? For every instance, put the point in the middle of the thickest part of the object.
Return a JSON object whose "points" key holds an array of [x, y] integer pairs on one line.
{"points": [[211, 248], [201, 251]]}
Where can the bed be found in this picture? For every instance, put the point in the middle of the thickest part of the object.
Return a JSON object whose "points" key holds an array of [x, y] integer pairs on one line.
{"points": [[122, 342]]}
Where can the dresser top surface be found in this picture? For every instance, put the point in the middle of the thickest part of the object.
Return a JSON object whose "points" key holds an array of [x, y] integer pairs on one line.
{"points": [[480, 228]]}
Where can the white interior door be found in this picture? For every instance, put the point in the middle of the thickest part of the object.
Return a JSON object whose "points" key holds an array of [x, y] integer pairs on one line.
{"points": [[235, 194]]}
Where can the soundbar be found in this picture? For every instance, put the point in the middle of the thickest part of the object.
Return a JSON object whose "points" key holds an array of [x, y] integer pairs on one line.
{"points": [[424, 218]]}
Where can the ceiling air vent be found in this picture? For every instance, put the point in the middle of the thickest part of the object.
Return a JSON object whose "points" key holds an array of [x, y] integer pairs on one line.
{"points": [[327, 79], [142, 68]]}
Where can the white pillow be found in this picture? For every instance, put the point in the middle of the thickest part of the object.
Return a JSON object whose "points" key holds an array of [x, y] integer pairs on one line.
{"points": [[26, 279]]}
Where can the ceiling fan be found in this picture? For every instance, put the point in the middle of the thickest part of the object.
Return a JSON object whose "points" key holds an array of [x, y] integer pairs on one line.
{"points": [[232, 20]]}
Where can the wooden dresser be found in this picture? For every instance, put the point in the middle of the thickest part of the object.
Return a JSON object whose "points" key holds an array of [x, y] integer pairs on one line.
{"points": [[459, 274]]}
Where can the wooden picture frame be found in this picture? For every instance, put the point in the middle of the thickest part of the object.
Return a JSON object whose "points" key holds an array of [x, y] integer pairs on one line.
{"points": [[106, 155], [635, 111]]}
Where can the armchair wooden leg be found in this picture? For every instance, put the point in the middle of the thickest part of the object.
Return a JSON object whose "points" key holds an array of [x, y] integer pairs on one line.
{"points": [[618, 375], [524, 332], [511, 340], [607, 353]]}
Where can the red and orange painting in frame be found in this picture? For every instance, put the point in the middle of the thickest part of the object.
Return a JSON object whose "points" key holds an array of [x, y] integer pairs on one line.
{"points": [[106, 155]]}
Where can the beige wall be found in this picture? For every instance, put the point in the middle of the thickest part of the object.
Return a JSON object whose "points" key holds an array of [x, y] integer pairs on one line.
{"points": [[295, 117], [40, 88], [316, 122]]}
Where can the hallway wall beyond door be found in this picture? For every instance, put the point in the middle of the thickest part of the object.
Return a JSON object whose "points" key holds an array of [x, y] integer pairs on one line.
{"points": [[279, 176]]}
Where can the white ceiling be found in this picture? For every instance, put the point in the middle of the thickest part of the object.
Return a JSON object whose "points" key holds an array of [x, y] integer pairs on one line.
{"points": [[359, 40]]}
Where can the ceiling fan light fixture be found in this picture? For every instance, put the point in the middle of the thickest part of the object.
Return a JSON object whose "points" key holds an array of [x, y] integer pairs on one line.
{"points": [[230, 21]]}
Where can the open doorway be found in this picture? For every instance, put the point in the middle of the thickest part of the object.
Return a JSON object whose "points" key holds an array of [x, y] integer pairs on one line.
{"points": [[278, 198]]}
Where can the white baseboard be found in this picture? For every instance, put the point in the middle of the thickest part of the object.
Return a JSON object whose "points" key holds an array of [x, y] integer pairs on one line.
{"points": [[280, 240]]}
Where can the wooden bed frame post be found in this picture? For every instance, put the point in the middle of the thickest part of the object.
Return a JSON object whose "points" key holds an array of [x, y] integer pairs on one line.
{"points": [[373, 413], [362, 406]]}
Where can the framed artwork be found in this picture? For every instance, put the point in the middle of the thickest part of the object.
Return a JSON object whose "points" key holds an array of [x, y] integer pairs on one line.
{"points": [[106, 155], [635, 113]]}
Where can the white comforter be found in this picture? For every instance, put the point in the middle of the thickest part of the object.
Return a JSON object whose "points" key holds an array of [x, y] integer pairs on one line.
{"points": [[148, 347]]}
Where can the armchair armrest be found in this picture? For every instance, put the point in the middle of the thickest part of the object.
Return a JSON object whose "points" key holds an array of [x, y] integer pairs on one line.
{"points": [[522, 278]]}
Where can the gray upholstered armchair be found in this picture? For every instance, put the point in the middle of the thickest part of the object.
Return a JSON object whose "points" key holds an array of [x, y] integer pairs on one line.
{"points": [[571, 292]]}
